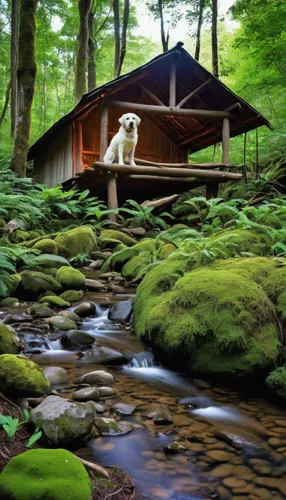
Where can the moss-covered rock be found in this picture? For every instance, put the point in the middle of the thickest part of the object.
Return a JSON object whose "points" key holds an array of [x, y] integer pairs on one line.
{"points": [[146, 245], [49, 261], [134, 266], [33, 235], [9, 343], [45, 474], [75, 241], [275, 286], [70, 296], [2, 223], [46, 245], [21, 376], [246, 240], [53, 300], [216, 320], [117, 260], [33, 283], [9, 301], [166, 250], [70, 278], [276, 381], [62, 323], [19, 236], [111, 234]]}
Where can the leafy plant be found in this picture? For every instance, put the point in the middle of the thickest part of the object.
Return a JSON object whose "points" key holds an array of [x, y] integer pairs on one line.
{"points": [[143, 215], [11, 425], [80, 260]]}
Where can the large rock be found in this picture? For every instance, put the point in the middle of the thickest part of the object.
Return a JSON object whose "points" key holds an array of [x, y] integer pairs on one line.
{"points": [[75, 241], [85, 309], [75, 339], [70, 295], [121, 311], [86, 394], [33, 283], [46, 245], [70, 315], [21, 376], [103, 355], [9, 343], [98, 377], [63, 421], [62, 323], [70, 278], [56, 375], [45, 474], [215, 319], [111, 234], [53, 300]]}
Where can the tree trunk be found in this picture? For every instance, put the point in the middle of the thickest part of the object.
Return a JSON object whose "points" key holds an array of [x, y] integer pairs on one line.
{"points": [[124, 34], [91, 70], [80, 73], [199, 27], [214, 38], [6, 102], [116, 36], [26, 75], [13, 63], [164, 38]]}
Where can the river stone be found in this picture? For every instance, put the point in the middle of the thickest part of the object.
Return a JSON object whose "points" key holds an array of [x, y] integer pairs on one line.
{"points": [[109, 427], [10, 301], [99, 377], [93, 284], [175, 448], [121, 311], [70, 315], [61, 323], [220, 455], [85, 309], [55, 375], [54, 301], [106, 392], [103, 355], [234, 482], [14, 318], [86, 394], [44, 312], [123, 409], [222, 470], [160, 414], [99, 408], [75, 339], [21, 376], [9, 342], [62, 421]]}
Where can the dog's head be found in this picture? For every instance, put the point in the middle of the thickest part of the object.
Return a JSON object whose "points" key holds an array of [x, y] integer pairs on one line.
{"points": [[129, 121]]}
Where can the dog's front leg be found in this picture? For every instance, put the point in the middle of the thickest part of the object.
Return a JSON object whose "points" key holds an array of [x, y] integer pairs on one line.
{"points": [[120, 154], [132, 161]]}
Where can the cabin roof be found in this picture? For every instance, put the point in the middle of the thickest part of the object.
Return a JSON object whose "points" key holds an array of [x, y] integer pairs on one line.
{"points": [[188, 132]]}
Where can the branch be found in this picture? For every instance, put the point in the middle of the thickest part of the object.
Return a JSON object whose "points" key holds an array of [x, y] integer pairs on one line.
{"points": [[95, 467], [7, 96], [103, 24]]}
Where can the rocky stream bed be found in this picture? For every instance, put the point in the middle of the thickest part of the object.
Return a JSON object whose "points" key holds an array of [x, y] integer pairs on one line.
{"points": [[177, 438]]}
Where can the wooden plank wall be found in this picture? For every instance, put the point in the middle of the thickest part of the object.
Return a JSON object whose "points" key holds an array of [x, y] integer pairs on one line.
{"points": [[53, 164]]}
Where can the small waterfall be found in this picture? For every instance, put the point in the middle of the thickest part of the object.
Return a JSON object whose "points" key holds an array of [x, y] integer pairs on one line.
{"points": [[142, 360]]}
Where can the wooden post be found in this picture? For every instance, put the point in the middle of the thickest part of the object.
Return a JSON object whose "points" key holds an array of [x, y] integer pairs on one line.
{"points": [[225, 141], [256, 160], [211, 190], [244, 158], [112, 202], [172, 94]]}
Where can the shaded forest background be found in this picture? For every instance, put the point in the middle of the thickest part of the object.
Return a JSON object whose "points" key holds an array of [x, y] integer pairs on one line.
{"points": [[251, 58]]}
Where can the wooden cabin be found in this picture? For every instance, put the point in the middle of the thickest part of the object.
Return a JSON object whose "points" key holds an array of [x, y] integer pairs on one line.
{"points": [[183, 109]]}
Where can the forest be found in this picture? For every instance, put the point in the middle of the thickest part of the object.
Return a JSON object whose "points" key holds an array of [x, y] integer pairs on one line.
{"points": [[142, 344]]}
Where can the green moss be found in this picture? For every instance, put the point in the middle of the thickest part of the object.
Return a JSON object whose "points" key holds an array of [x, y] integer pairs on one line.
{"points": [[70, 278], [9, 301], [166, 250], [54, 301], [51, 271], [246, 240], [46, 245], [45, 474], [133, 266], [217, 320], [21, 376], [276, 381], [8, 340], [111, 234], [34, 283], [33, 235], [18, 236], [275, 286], [75, 241], [117, 260], [146, 245], [52, 261], [251, 268], [70, 296], [2, 223]]}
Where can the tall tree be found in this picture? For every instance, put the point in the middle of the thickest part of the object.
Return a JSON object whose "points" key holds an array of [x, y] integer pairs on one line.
{"points": [[13, 63], [91, 68], [166, 9], [116, 25], [26, 74], [123, 36], [81, 57], [199, 28], [164, 35], [214, 38]]}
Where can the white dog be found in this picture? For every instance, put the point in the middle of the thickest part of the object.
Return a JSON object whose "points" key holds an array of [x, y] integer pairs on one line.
{"points": [[123, 144]]}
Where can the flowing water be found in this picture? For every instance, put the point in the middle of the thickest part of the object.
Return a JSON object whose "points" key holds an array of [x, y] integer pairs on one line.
{"points": [[235, 442]]}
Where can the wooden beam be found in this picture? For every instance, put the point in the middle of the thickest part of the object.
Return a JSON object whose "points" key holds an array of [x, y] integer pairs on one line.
{"points": [[112, 201], [162, 179], [193, 93], [164, 110], [151, 95], [165, 171], [77, 147], [233, 107], [172, 86], [225, 141], [182, 165]]}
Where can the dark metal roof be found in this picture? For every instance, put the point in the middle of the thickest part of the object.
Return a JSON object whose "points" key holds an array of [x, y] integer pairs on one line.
{"points": [[187, 132]]}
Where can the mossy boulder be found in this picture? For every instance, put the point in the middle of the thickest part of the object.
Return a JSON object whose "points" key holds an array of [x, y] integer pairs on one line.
{"points": [[51, 262], [112, 234], [275, 286], [53, 300], [216, 321], [166, 250], [2, 223], [9, 343], [246, 240], [62, 323], [33, 283], [134, 266], [70, 278], [70, 295], [46, 245], [19, 236], [10, 301], [21, 376], [13, 283], [33, 235], [75, 241], [146, 245], [118, 259], [45, 474], [276, 381]]}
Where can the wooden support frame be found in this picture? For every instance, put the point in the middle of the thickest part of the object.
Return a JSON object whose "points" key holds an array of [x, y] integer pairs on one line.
{"points": [[151, 95], [193, 93], [225, 141], [173, 84], [164, 110], [212, 190], [77, 147], [181, 165], [112, 201]]}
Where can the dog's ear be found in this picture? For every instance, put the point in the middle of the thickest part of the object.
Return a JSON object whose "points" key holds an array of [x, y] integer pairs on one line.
{"points": [[138, 120], [121, 120]]}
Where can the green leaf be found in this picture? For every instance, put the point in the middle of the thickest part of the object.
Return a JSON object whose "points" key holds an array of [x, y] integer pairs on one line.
{"points": [[33, 439]]}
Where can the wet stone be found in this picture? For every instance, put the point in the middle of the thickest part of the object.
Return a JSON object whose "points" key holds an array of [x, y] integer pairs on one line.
{"points": [[109, 427], [85, 309], [223, 470], [86, 394], [106, 392], [220, 455], [99, 408], [70, 315], [123, 409], [56, 375], [44, 312], [98, 377], [175, 448]]}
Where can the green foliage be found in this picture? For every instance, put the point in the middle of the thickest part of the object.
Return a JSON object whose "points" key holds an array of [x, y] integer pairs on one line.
{"points": [[276, 381], [12, 425], [142, 216], [80, 260]]}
